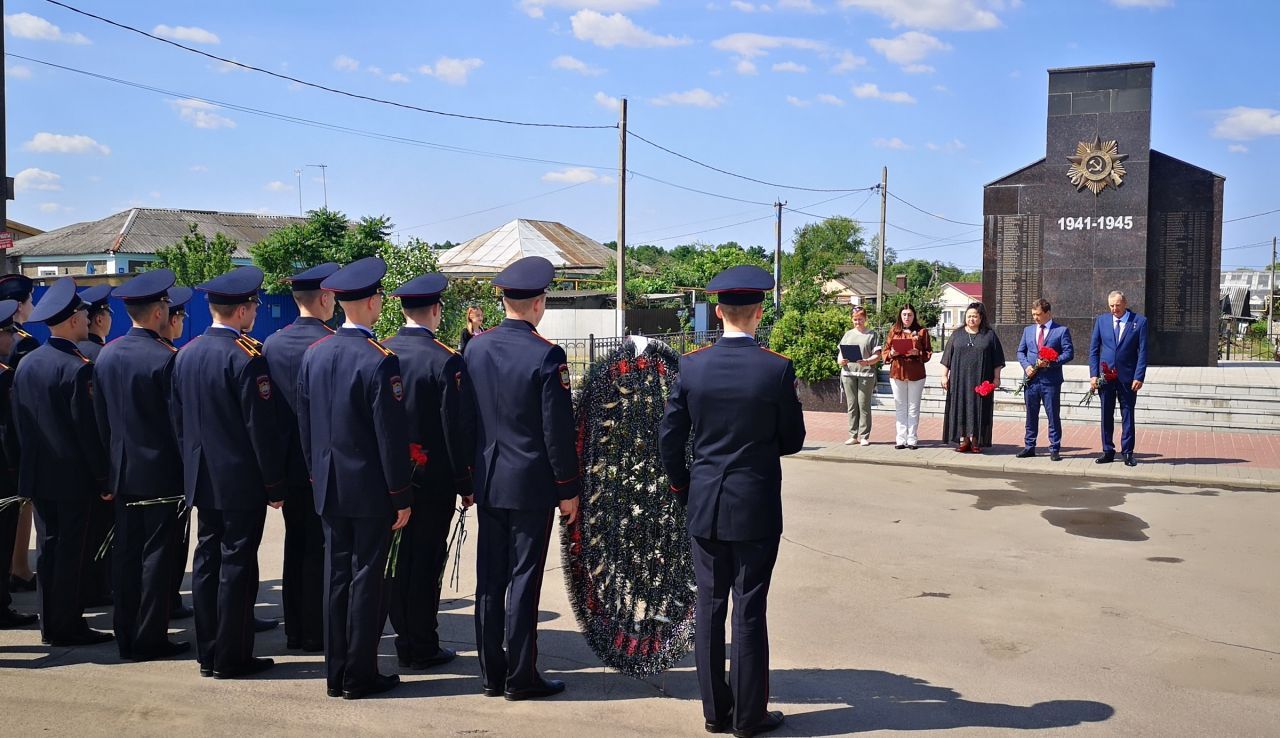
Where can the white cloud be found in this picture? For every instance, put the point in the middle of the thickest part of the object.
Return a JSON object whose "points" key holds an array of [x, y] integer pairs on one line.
{"points": [[908, 49], [804, 5], [187, 33], [607, 102], [398, 77], [571, 64], [198, 168], [790, 66], [36, 179], [375, 71], [849, 61], [576, 175], [200, 114], [452, 71], [749, 7], [871, 91], [276, 185], [942, 88], [798, 102], [894, 143], [946, 15], [1142, 3], [225, 67], [617, 30], [57, 143], [751, 45], [696, 97], [918, 69], [344, 63], [53, 207], [1245, 124], [17, 71], [1238, 148], [950, 147], [829, 99], [534, 8], [26, 25], [745, 67]]}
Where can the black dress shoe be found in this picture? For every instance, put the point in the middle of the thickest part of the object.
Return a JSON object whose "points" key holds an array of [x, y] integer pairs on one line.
{"points": [[14, 619], [441, 656], [381, 683], [181, 612], [333, 691], [88, 637], [249, 668], [900, 446], [543, 688], [494, 691], [1026, 453], [719, 726], [772, 721], [18, 584], [168, 650], [262, 625], [913, 447], [1105, 458], [1129, 461], [1055, 456], [206, 671]]}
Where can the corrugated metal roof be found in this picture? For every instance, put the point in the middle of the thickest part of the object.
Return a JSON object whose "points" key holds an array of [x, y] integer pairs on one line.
{"points": [[143, 230], [861, 281], [492, 251], [1235, 302]]}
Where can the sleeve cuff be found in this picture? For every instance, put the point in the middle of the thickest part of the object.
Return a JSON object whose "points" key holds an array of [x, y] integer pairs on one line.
{"points": [[568, 489]]}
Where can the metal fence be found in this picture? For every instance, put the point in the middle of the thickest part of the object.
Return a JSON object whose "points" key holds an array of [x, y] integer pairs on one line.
{"points": [[581, 352], [1239, 343]]}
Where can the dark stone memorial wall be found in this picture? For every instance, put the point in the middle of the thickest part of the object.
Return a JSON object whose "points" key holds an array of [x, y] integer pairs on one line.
{"points": [[1101, 212]]}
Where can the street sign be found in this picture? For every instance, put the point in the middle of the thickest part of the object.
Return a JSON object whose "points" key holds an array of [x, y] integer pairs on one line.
{"points": [[6, 240]]}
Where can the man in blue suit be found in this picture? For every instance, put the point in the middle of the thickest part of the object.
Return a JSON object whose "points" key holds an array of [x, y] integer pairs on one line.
{"points": [[1119, 341], [1044, 378], [738, 401]]}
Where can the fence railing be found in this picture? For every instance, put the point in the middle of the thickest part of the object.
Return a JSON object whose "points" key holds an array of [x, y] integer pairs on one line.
{"points": [[581, 352], [1237, 344]]}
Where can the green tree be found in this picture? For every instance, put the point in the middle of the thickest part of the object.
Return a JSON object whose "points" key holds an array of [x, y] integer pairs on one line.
{"points": [[325, 236], [196, 258], [366, 238], [415, 259], [810, 339]]}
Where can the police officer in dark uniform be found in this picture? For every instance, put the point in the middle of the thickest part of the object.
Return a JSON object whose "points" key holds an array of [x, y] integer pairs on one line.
{"points": [[133, 378], [170, 331], [739, 401], [302, 581], [9, 618], [18, 288], [441, 413], [233, 466], [98, 577], [355, 438], [99, 299], [526, 465], [64, 465]]}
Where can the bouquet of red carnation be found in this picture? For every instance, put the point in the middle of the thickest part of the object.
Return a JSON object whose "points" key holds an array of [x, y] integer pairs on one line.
{"points": [[419, 457], [985, 389], [1108, 374], [1044, 358]]}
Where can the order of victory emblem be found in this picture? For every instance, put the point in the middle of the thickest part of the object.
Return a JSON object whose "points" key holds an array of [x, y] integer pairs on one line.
{"points": [[1095, 165]]}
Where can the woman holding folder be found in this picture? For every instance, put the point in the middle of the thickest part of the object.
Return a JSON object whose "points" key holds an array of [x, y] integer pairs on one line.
{"points": [[858, 360], [907, 349]]}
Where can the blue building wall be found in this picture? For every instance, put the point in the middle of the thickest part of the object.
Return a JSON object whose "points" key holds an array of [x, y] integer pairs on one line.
{"points": [[275, 312]]}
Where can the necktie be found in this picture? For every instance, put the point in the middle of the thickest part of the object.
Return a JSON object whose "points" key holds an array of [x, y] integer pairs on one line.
{"points": [[1040, 340], [1117, 331]]}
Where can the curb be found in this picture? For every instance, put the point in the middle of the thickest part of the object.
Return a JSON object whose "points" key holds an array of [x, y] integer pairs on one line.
{"points": [[1153, 472]]}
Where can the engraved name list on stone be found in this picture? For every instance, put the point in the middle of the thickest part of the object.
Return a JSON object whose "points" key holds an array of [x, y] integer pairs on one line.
{"points": [[1020, 255], [1181, 282]]}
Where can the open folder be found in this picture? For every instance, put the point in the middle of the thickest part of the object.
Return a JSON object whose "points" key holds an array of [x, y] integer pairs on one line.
{"points": [[851, 352], [903, 345]]}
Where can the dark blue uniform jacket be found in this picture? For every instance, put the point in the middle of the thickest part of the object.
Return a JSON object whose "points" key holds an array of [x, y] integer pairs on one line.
{"points": [[284, 350]]}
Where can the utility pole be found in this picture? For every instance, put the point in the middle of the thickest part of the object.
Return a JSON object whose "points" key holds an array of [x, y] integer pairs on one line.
{"points": [[777, 260], [298, 173], [621, 311], [884, 202], [4, 159], [1271, 293], [323, 182]]}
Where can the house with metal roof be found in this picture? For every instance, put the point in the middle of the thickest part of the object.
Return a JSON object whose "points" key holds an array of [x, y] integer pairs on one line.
{"points": [[854, 284], [489, 253], [123, 242]]}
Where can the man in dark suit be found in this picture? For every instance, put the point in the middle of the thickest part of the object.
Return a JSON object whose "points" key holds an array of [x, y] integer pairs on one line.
{"points": [[441, 410], [99, 575], [64, 465], [9, 618], [133, 378], [526, 465], [99, 299], [18, 287], [233, 457], [302, 578], [1120, 341], [1044, 378], [739, 401], [170, 331], [355, 438]]}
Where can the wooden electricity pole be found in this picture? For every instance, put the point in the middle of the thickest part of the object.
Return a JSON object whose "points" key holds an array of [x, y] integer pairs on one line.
{"points": [[884, 202], [621, 317]]}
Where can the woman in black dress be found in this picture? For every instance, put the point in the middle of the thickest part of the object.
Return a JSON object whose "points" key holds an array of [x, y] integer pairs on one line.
{"points": [[972, 356]]}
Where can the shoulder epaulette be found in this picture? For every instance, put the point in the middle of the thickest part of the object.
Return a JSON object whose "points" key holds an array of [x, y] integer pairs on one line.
{"points": [[539, 335], [445, 346], [23, 334], [4, 367], [255, 343], [164, 343], [385, 351], [701, 348], [775, 353], [83, 358], [248, 347]]}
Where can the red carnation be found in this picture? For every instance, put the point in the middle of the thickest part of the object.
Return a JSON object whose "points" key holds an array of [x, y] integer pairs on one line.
{"points": [[624, 367], [642, 363], [985, 389], [417, 455], [662, 368], [1048, 354]]}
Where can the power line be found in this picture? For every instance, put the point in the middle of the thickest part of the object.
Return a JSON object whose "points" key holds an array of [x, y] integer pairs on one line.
{"points": [[690, 159], [1255, 215], [708, 230], [700, 192], [913, 207], [317, 86], [495, 207]]}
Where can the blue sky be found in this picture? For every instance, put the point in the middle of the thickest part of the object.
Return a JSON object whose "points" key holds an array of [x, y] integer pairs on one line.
{"points": [[949, 94]]}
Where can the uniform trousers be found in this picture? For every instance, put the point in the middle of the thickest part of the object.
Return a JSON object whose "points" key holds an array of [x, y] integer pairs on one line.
{"points": [[97, 584], [1049, 395], [355, 564], [180, 550], [302, 579], [65, 552], [224, 585], [415, 593], [511, 554], [745, 568], [1111, 392], [8, 535], [142, 575]]}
